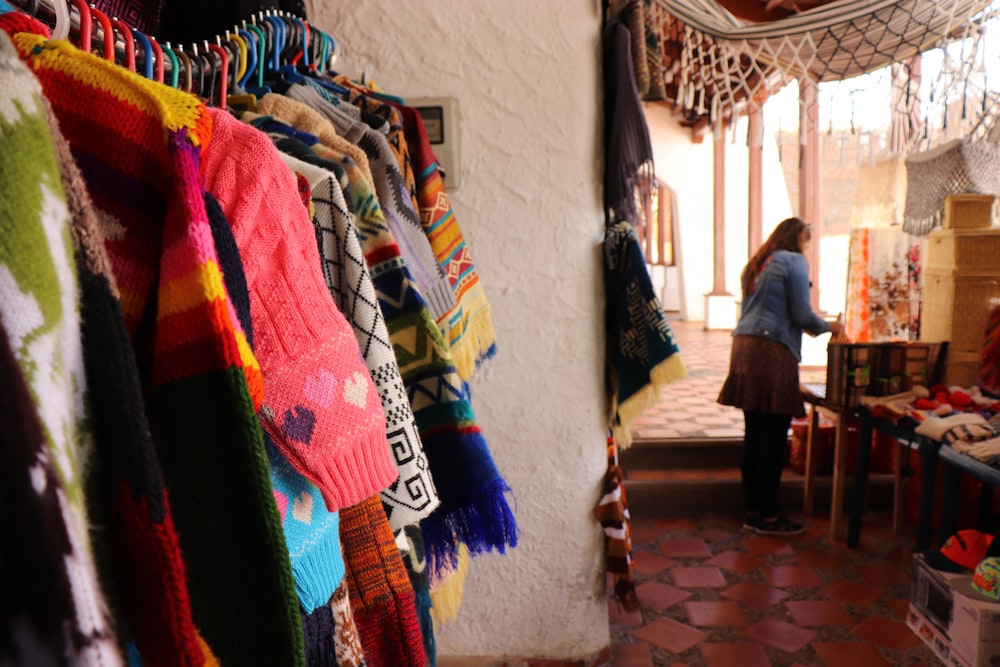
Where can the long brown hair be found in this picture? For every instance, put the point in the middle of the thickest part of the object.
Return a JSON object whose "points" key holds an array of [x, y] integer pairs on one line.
{"points": [[784, 237]]}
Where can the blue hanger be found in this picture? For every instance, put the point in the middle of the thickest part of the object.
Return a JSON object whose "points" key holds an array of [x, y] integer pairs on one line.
{"points": [[147, 53], [251, 40]]}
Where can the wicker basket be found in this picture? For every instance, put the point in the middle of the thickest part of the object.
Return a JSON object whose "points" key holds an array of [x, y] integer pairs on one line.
{"points": [[961, 369], [956, 308], [969, 211], [964, 250]]}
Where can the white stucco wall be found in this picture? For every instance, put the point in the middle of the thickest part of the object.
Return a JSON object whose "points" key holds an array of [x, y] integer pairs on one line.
{"points": [[687, 168], [527, 79]]}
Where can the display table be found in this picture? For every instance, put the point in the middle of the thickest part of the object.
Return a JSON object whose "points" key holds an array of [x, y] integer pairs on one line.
{"points": [[931, 451]]}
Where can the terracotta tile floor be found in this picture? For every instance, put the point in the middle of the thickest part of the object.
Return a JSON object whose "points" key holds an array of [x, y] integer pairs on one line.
{"points": [[713, 595]]}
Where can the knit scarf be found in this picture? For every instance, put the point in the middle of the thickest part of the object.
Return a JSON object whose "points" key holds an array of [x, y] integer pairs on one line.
{"points": [[194, 358], [474, 507], [39, 310], [144, 547], [642, 353], [381, 595], [321, 406], [613, 515], [389, 163], [412, 497]]}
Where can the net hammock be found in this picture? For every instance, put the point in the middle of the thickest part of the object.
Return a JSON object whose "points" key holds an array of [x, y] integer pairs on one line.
{"points": [[713, 64]]}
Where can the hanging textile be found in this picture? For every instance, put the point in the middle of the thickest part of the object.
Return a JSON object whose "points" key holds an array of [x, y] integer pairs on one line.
{"points": [[879, 295], [613, 515], [642, 354], [474, 508], [715, 63], [193, 354]]}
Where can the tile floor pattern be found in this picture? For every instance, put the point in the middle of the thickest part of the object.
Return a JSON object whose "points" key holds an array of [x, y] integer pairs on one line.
{"points": [[687, 408], [712, 595]]}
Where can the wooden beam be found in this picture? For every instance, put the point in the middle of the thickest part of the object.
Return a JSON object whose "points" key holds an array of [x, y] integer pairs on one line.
{"points": [[719, 212], [809, 177], [755, 194]]}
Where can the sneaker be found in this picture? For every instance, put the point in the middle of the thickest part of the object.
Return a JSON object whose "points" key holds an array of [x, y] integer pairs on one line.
{"points": [[752, 520], [779, 527]]}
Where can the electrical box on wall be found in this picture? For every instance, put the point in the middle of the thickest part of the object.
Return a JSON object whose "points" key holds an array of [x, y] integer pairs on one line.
{"points": [[440, 116]]}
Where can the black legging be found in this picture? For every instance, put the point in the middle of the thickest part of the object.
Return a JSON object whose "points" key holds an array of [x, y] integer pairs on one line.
{"points": [[763, 459]]}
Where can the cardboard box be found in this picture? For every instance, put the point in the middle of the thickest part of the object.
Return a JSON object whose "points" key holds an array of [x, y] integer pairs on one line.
{"points": [[959, 625], [932, 636]]}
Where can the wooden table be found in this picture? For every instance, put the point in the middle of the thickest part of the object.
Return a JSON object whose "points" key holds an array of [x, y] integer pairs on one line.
{"points": [[817, 407]]}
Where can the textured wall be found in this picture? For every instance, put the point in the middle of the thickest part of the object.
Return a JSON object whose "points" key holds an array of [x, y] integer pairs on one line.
{"points": [[526, 75]]}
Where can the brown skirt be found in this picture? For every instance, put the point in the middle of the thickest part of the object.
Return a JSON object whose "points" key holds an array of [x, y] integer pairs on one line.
{"points": [[763, 377]]}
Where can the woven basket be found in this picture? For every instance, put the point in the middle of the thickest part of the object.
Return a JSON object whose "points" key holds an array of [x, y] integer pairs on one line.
{"points": [[970, 212], [961, 369], [956, 308], [968, 251]]}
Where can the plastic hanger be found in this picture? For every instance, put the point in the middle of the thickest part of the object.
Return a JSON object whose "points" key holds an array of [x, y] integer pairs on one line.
{"points": [[222, 72], [259, 89], [158, 56], [147, 53], [86, 27], [61, 30], [126, 32], [241, 51], [175, 65], [188, 70], [108, 32], [250, 39]]}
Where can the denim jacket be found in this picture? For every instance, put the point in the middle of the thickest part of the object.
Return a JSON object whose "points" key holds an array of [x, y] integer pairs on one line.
{"points": [[778, 306]]}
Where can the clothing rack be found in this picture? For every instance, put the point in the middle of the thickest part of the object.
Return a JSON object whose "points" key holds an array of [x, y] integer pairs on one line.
{"points": [[233, 62]]}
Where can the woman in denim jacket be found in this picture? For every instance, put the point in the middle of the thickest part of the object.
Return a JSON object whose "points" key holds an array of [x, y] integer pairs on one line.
{"points": [[763, 378]]}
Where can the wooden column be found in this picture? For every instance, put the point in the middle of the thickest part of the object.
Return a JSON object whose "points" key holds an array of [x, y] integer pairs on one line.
{"points": [[719, 212], [755, 193], [809, 176]]}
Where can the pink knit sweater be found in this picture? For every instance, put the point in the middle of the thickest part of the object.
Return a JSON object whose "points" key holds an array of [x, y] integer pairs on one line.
{"points": [[320, 404]]}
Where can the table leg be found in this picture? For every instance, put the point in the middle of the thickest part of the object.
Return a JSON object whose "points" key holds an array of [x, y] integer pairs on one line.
{"points": [[839, 475], [809, 487], [928, 480], [899, 488], [949, 501], [860, 482]]}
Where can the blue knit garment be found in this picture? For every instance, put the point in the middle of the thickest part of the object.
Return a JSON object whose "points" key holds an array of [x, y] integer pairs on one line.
{"points": [[312, 533]]}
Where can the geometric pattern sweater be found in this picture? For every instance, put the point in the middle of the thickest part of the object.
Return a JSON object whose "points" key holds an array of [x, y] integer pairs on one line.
{"points": [[412, 497], [201, 379], [468, 327]]}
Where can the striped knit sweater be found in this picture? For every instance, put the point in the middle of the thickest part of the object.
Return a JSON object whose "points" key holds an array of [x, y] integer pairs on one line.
{"points": [[201, 378]]}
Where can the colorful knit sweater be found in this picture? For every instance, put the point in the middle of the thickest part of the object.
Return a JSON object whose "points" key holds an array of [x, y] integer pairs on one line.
{"points": [[474, 507], [469, 330], [39, 311], [199, 374], [467, 326], [412, 497], [144, 547], [395, 196], [321, 407]]}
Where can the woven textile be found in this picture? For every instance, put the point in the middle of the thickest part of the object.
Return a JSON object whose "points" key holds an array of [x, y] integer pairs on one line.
{"points": [[39, 311], [193, 355], [321, 407], [957, 167], [448, 589], [715, 63], [468, 328], [395, 196], [881, 292], [474, 507], [347, 641], [380, 592], [880, 193], [642, 352], [613, 515], [412, 496], [143, 543]]}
